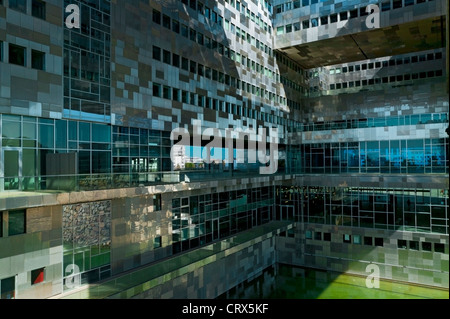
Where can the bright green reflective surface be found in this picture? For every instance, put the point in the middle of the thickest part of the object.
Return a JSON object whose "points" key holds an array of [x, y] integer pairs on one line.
{"points": [[302, 283]]}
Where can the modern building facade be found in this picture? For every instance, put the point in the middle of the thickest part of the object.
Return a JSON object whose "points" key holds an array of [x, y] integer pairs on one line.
{"points": [[106, 171]]}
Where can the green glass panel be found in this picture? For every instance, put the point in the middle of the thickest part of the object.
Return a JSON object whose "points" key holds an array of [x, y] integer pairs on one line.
{"points": [[46, 135], [11, 129], [73, 131], [28, 143], [29, 131], [95, 250], [105, 248], [101, 133], [100, 260], [67, 260], [29, 162], [78, 260], [11, 170], [87, 260], [16, 222], [61, 134], [85, 132]]}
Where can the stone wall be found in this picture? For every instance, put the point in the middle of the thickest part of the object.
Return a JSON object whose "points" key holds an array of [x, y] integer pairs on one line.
{"points": [[87, 224]]}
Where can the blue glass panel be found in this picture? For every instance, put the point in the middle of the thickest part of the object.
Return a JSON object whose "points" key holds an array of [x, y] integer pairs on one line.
{"points": [[101, 133], [85, 132], [46, 135], [61, 134]]}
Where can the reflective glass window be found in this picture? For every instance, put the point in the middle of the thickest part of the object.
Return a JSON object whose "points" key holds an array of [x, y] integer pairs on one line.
{"points": [[16, 222]]}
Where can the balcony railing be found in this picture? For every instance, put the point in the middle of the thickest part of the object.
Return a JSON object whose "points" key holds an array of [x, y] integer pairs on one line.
{"points": [[87, 182]]}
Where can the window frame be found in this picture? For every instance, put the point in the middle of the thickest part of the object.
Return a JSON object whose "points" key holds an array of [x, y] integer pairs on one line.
{"points": [[18, 5], [41, 12], [41, 55], [15, 46], [347, 240], [24, 230], [41, 272]]}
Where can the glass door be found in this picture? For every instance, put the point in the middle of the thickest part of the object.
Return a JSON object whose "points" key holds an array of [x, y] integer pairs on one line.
{"points": [[12, 168]]}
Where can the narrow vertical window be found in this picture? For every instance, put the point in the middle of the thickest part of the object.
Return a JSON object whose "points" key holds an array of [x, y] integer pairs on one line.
{"points": [[157, 202], [37, 60], [38, 9]]}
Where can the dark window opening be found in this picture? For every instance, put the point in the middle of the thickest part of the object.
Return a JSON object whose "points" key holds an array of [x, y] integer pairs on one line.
{"points": [[347, 238], [166, 56], [38, 9], [156, 17], [333, 18], [16, 222], [414, 245], [16, 54], [19, 5], [175, 60], [343, 16], [402, 244], [439, 248], [397, 4], [8, 287], [305, 24], [362, 11], [166, 21], [385, 6], [175, 26], [379, 241], [156, 53], [157, 202], [426, 246], [156, 90], [157, 242], [37, 60], [37, 276]]}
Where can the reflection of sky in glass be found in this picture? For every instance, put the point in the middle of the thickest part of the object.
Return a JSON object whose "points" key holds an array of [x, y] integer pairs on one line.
{"points": [[411, 153], [216, 153]]}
